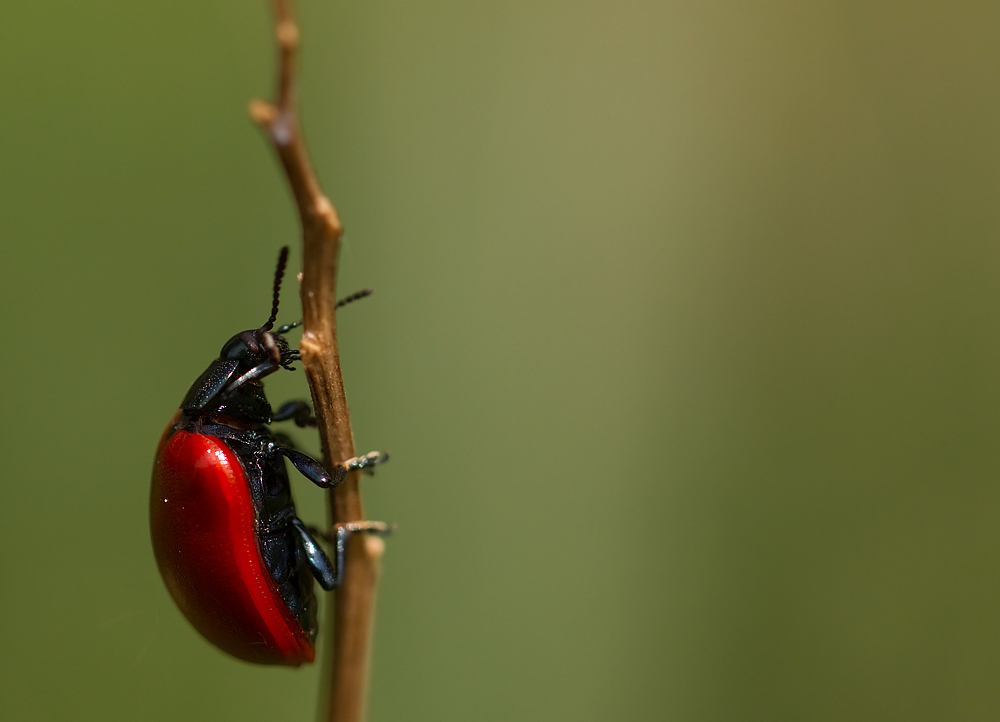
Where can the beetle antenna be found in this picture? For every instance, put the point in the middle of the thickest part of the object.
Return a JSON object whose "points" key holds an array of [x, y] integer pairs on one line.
{"points": [[342, 302], [279, 272], [282, 330], [357, 295]]}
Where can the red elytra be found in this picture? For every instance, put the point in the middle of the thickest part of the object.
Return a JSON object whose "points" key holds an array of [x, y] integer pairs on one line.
{"points": [[202, 523]]}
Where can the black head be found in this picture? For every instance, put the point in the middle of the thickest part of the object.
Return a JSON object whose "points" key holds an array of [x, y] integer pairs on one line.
{"points": [[245, 358], [262, 346]]}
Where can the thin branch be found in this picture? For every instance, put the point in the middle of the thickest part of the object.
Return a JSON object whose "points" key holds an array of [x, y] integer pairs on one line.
{"points": [[348, 646]]}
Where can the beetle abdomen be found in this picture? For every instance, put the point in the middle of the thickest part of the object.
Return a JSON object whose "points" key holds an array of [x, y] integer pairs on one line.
{"points": [[203, 529]]}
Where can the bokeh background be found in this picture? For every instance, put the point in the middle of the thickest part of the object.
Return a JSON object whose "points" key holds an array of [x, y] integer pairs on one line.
{"points": [[685, 343]]}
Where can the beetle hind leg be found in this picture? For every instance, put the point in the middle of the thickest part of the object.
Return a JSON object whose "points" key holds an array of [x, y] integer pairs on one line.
{"points": [[322, 568], [339, 538]]}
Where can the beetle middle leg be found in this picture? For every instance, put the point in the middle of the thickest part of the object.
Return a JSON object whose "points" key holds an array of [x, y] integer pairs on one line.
{"points": [[314, 471]]}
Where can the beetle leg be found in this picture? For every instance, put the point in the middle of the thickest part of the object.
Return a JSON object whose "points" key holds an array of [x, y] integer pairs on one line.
{"points": [[319, 563], [341, 535], [299, 411], [312, 469]]}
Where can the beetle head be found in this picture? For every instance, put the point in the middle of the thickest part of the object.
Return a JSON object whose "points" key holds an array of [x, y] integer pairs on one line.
{"points": [[231, 381], [255, 347]]}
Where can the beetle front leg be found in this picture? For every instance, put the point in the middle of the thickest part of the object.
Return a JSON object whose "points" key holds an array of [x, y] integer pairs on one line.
{"points": [[298, 411]]}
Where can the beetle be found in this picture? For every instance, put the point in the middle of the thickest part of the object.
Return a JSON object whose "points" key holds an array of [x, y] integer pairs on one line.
{"points": [[234, 555]]}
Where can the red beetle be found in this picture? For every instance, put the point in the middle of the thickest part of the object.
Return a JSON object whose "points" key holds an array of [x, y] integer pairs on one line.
{"points": [[235, 557]]}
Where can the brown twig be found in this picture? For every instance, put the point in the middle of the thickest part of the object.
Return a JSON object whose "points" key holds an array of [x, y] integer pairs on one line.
{"points": [[347, 657]]}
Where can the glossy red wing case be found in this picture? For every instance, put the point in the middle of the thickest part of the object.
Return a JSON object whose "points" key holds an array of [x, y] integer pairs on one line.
{"points": [[203, 527]]}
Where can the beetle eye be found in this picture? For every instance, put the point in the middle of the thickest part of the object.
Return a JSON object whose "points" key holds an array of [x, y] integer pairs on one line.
{"points": [[240, 346]]}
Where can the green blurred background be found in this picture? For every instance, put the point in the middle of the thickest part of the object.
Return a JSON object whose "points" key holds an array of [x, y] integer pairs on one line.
{"points": [[685, 343]]}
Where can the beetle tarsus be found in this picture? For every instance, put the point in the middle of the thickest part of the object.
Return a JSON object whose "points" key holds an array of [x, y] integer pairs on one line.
{"points": [[364, 463]]}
